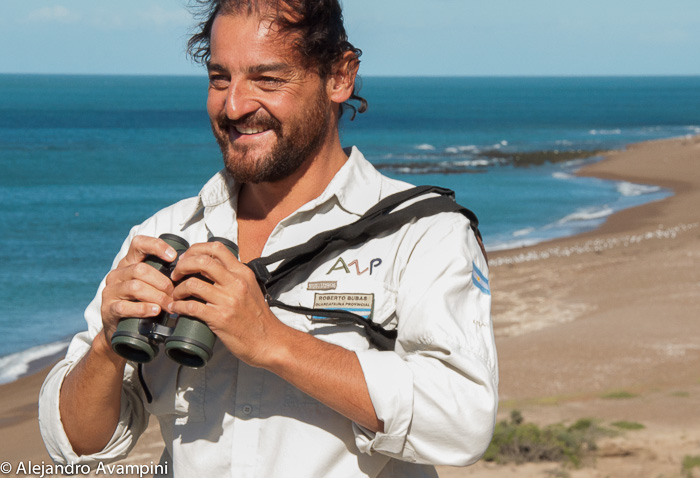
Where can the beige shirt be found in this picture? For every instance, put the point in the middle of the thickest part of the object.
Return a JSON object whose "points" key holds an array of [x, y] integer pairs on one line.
{"points": [[436, 392]]}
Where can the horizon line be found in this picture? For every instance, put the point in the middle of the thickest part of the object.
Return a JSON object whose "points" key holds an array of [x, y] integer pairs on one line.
{"points": [[543, 75]]}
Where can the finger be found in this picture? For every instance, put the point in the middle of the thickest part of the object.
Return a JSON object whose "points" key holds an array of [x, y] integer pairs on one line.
{"points": [[218, 251], [144, 246], [138, 291], [192, 308], [142, 272], [213, 260], [197, 288], [204, 265], [124, 308]]}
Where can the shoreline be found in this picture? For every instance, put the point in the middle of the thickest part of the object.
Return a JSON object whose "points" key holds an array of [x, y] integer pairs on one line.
{"points": [[647, 223], [562, 321]]}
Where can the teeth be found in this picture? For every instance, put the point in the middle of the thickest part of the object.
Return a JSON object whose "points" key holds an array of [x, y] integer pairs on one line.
{"points": [[243, 130]]}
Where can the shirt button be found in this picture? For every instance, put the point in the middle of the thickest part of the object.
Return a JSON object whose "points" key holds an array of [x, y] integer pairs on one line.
{"points": [[247, 409]]}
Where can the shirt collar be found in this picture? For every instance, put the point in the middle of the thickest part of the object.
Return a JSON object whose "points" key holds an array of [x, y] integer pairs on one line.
{"points": [[356, 186], [221, 188]]}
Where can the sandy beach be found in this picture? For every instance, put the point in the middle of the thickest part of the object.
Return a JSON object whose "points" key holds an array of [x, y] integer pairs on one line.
{"points": [[609, 313]]}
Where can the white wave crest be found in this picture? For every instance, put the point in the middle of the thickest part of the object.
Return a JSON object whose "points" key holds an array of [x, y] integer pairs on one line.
{"points": [[560, 175], [586, 215], [523, 232], [469, 148], [471, 162], [605, 131], [15, 365], [501, 246], [426, 147], [631, 189]]}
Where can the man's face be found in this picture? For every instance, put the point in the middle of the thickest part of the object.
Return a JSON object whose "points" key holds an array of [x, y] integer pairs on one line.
{"points": [[268, 113]]}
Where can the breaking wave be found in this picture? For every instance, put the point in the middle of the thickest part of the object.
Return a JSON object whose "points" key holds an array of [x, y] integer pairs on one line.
{"points": [[16, 365], [587, 214], [631, 189]]}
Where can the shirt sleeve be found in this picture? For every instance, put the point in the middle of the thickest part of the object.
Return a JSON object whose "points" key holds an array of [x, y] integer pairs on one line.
{"points": [[437, 392], [133, 418]]}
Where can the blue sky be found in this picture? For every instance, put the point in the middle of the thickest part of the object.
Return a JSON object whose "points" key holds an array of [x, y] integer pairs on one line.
{"points": [[398, 37]]}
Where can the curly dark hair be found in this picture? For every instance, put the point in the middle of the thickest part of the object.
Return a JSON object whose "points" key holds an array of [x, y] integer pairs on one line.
{"points": [[318, 24]]}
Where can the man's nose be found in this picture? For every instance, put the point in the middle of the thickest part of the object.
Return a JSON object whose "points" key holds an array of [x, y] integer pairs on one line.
{"points": [[240, 101]]}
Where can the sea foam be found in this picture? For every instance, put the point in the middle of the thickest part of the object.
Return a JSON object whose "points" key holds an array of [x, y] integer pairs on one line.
{"points": [[631, 189], [15, 365], [562, 175], [587, 214]]}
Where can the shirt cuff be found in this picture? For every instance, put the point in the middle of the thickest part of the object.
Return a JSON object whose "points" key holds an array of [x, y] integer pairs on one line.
{"points": [[390, 384], [128, 429]]}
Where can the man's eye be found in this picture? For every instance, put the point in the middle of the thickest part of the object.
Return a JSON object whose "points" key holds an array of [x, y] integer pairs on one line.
{"points": [[218, 81], [270, 81]]}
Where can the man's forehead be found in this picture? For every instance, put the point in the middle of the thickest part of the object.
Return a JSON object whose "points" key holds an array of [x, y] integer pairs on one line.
{"points": [[252, 33]]}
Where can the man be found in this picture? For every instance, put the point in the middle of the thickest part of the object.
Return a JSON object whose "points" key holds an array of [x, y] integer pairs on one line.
{"points": [[285, 394]]}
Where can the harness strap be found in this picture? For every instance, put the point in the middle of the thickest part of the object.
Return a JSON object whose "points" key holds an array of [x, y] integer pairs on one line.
{"points": [[379, 219]]}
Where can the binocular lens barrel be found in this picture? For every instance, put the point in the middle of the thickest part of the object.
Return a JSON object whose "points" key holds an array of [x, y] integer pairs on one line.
{"points": [[129, 343], [192, 342], [131, 340]]}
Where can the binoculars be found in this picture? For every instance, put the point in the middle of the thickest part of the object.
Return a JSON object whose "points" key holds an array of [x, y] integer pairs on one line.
{"points": [[188, 341]]}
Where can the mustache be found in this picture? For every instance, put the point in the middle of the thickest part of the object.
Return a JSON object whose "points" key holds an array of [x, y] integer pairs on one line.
{"points": [[252, 121]]}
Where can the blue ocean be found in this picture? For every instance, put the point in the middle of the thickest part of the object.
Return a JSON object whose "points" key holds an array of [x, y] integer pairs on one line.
{"points": [[86, 157]]}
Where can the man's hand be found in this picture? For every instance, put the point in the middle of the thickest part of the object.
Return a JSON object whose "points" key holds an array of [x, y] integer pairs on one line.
{"points": [[233, 305], [135, 289]]}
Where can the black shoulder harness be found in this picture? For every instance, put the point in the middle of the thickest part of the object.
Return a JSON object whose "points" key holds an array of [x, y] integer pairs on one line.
{"points": [[379, 219]]}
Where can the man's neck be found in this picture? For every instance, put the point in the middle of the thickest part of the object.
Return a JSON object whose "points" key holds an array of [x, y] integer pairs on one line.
{"points": [[263, 200], [262, 206]]}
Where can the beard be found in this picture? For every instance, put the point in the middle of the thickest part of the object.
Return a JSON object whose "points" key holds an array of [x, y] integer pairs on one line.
{"points": [[296, 143]]}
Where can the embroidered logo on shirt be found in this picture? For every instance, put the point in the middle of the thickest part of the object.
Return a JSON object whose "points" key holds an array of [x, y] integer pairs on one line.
{"points": [[480, 280], [322, 285], [360, 304], [340, 265]]}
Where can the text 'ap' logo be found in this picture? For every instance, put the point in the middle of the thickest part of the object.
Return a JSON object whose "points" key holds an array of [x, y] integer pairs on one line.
{"points": [[341, 265]]}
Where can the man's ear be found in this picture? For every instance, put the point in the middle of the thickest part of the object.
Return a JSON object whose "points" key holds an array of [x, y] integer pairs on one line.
{"points": [[341, 82]]}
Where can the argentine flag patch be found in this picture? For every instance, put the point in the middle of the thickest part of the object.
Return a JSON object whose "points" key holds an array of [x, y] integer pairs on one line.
{"points": [[480, 280]]}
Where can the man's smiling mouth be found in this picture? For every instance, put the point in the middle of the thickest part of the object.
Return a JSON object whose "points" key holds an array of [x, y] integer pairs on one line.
{"points": [[250, 130]]}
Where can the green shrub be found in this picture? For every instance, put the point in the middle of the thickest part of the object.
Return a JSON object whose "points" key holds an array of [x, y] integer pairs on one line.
{"points": [[625, 425], [619, 395], [680, 394], [690, 462], [515, 441]]}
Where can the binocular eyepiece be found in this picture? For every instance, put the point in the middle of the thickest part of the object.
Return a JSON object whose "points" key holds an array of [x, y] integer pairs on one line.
{"points": [[188, 341]]}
